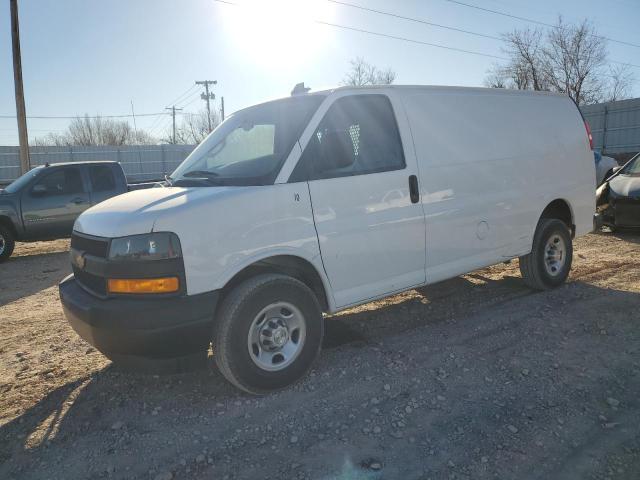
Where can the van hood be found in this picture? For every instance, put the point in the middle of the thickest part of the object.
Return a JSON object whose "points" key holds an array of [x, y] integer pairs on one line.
{"points": [[137, 212]]}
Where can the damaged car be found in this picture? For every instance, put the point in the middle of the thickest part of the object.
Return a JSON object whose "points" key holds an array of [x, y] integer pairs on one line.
{"points": [[618, 198]]}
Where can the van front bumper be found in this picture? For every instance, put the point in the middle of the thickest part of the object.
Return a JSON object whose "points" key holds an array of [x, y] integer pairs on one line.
{"points": [[146, 327]]}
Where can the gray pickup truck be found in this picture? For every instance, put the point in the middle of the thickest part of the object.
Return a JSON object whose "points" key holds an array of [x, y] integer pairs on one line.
{"points": [[43, 203]]}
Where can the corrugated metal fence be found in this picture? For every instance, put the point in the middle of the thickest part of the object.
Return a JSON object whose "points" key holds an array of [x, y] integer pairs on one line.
{"points": [[615, 126], [140, 163]]}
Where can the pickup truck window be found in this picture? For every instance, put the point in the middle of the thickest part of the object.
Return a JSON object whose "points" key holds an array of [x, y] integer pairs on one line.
{"points": [[65, 181], [102, 179], [23, 180], [250, 146], [358, 135]]}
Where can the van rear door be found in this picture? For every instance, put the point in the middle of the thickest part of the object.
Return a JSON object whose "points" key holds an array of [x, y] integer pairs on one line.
{"points": [[365, 200]]}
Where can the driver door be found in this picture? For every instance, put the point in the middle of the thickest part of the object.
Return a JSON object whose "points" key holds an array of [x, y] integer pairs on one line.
{"points": [[52, 204]]}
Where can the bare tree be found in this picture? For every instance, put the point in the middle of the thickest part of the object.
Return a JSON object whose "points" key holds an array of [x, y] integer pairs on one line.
{"points": [[620, 83], [362, 73], [194, 128], [570, 59], [495, 78], [92, 131], [574, 58]]}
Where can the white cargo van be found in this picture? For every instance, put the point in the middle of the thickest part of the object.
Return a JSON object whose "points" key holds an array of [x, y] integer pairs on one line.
{"points": [[321, 201]]}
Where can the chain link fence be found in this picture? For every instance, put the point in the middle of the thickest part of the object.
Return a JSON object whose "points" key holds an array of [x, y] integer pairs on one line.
{"points": [[615, 126], [139, 162]]}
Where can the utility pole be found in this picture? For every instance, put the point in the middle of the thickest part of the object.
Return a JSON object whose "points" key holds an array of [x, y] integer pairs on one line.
{"points": [[222, 107], [173, 114], [207, 97], [21, 111]]}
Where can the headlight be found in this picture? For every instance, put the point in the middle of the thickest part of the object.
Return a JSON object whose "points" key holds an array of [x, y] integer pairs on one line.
{"points": [[151, 246]]}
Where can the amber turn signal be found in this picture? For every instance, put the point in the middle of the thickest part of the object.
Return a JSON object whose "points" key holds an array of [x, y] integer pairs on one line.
{"points": [[143, 285]]}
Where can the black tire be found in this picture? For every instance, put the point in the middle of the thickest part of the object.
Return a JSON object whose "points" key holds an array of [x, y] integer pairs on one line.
{"points": [[7, 243], [232, 328], [533, 266]]}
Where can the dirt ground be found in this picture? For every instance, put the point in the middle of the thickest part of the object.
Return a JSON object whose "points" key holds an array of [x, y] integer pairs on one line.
{"points": [[476, 377]]}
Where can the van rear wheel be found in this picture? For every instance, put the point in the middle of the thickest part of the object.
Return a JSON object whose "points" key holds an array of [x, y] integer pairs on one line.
{"points": [[549, 263], [267, 334]]}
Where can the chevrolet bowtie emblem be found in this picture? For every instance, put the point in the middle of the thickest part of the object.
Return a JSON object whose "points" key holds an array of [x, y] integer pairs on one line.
{"points": [[78, 259]]}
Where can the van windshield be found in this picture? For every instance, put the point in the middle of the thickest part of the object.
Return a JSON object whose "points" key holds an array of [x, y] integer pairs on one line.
{"points": [[249, 147]]}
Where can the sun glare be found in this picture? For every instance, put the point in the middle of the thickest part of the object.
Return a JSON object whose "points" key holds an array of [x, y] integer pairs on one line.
{"points": [[277, 33]]}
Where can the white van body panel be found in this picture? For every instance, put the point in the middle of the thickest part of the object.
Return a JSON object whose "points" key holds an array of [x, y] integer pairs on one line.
{"points": [[131, 213], [488, 163], [491, 161], [230, 228]]}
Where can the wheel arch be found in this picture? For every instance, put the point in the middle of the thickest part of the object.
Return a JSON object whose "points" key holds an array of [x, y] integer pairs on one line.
{"points": [[6, 222], [290, 265], [560, 209]]}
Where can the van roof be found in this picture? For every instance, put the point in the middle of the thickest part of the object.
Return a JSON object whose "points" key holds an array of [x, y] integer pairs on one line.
{"points": [[492, 91]]}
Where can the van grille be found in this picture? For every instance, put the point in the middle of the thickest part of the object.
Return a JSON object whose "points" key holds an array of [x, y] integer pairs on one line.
{"points": [[93, 283], [98, 247]]}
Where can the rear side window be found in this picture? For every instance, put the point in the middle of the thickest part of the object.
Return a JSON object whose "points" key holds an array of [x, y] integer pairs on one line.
{"points": [[358, 135], [66, 181], [102, 179]]}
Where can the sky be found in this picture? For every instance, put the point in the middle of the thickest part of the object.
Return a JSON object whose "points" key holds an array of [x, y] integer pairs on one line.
{"points": [[100, 56]]}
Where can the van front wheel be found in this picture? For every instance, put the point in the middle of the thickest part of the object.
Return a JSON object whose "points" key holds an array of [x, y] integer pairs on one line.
{"points": [[268, 333], [548, 264]]}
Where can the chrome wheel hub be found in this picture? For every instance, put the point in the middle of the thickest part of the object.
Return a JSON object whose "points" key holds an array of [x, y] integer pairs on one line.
{"points": [[276, 336], [554, 255]]}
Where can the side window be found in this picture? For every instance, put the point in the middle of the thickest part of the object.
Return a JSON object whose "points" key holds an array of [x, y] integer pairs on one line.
{"points": [[102, 179], [358, 135], [65, 181]]}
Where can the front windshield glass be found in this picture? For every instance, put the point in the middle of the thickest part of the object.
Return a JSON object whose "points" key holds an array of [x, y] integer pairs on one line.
{"points": [[20, 182], [633, 167], [250, 146]]}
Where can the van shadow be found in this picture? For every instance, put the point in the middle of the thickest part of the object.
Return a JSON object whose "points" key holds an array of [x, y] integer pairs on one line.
{"points": [[94, 410], [25, 275], [440, 302]]}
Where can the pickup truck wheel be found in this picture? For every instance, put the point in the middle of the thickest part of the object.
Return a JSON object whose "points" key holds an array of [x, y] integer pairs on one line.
{"points": [[7, 243], [548, 264], [267, 333]]}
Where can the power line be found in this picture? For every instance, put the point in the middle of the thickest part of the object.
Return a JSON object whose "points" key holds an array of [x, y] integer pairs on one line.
{"points": [[424, 22], [394, 37], [71, 117], [537, 22], [413, 19], [181, 96], [410, 40], [191, 102]]}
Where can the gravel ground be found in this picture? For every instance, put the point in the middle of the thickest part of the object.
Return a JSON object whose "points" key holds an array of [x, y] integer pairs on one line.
{"points": [[476, 377]]}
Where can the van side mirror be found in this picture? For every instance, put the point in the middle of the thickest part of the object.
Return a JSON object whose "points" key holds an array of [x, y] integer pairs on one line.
{"points": [[39, 190], [336, 150]]}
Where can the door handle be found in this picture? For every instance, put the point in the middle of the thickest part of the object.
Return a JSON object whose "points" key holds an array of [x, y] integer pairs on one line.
{"points": [[78, 200], [414, 192]]}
